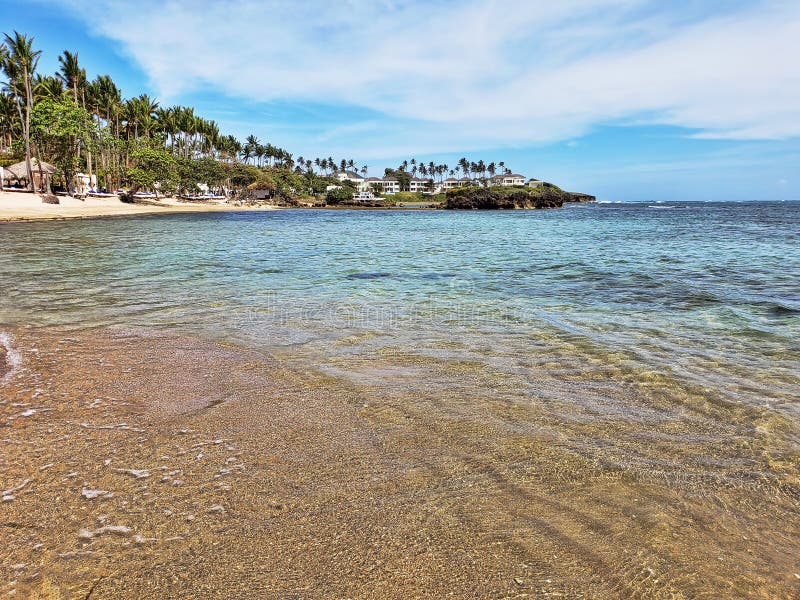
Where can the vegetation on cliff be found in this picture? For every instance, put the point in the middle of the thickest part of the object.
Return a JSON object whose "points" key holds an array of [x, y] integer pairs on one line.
{"points": [[546, 195]]}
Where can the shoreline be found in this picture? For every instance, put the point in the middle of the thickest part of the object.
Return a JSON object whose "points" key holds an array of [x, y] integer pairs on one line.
{"points": [[16, 207]]}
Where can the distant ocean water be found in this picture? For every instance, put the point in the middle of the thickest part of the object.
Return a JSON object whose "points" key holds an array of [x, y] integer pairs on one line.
{"points": [[703, 295]]}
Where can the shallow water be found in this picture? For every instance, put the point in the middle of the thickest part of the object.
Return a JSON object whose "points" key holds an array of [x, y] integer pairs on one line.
{"points": [[704, 293], [555, 385]]}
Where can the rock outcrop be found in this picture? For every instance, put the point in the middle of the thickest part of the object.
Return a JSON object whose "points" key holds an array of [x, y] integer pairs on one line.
{"points": [[508, 198]]}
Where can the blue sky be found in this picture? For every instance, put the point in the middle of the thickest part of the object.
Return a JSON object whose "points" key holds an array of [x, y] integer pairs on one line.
{"points": [[625, 99]]}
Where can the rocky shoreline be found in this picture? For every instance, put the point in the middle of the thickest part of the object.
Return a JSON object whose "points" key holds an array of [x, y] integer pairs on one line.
{"points": [[545, 196]]}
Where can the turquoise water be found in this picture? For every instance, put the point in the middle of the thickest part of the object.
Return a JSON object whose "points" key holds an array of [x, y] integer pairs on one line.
{"points": [[704, 295]]}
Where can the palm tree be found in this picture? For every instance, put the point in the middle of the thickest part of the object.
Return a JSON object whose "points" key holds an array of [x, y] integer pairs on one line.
{"points": [[464, 165], [47, 87], [139, 112], [71, 73], [19, 65], [8, 120], [250, 146]]}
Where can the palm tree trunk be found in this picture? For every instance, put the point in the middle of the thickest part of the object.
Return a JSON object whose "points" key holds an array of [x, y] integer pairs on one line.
{"points": [[27, 130]]}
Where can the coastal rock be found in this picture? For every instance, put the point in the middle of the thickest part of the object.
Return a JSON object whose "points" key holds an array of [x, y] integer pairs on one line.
{"points": [[510, 198], [578, 197]]}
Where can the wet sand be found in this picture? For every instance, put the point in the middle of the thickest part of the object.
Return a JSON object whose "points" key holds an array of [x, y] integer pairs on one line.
{"points": [[147, 465], [20, 206]]}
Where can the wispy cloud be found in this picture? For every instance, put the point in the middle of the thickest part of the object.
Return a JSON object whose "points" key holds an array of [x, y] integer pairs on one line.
{"points": [[478, 73]]}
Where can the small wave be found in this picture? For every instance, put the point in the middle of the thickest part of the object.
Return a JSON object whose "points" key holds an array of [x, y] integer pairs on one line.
{"points": [[10, 359], [368, 275], [781, 310]]}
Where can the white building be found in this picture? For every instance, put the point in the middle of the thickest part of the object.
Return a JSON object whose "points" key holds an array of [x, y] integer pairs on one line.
{"points": [[390, 185], [373, 184], [535, 183], [350, 176], [420, 185], [451, 183], [508, 180]]}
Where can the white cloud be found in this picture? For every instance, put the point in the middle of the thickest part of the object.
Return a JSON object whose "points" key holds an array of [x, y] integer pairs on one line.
{"points": [[480, 73]]}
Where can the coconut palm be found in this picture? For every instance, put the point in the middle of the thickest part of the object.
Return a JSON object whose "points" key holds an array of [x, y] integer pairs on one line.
{"points": [[47, 86], [9, 120], [19, 64], [71, 74], [139, 115]]}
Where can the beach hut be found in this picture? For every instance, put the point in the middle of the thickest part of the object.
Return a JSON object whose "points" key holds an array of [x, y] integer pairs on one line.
{"points": [[4, 176], [42, 173]]}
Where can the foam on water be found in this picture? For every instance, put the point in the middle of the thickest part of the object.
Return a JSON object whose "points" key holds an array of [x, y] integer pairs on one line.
{"points": [[13, 359]]}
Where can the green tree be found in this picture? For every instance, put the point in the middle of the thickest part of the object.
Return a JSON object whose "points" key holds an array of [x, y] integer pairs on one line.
{"points": [[338, 195], [153, 166], [60, 127]]}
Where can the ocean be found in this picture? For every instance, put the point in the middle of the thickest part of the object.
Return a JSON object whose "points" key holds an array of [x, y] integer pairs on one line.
{"points": [[571, 382]]}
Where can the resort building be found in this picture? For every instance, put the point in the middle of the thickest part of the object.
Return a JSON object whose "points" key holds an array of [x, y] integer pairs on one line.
{"points": [[385, 185], [451, 183], [420, 185], [535, 183], [509, 180], [390, 185], [350, 176]]}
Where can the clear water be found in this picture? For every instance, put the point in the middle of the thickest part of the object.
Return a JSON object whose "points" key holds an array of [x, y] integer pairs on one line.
{"points": [[702, 295]]}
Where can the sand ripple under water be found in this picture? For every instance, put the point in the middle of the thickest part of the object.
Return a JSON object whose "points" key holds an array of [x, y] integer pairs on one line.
{"points": [[141, 464]]}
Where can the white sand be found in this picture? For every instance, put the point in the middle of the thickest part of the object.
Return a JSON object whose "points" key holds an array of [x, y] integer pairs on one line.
{"points": [[22, 206]]}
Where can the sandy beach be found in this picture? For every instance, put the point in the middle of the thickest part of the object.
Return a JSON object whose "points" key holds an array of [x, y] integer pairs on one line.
{"points": [[222, 473], [21, 206]]}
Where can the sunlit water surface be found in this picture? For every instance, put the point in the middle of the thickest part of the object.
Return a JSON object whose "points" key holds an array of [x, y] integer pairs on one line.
{"points": [[705, 294]]}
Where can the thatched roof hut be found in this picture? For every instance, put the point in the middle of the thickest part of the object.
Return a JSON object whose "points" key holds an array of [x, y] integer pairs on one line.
{"points": [[20, 171]]}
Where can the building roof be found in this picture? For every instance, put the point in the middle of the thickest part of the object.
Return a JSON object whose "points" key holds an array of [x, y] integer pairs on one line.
{"points": [[419, 180], [390, 179], [349, 174], [20, 171], [451, 180], [374, 179]]}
